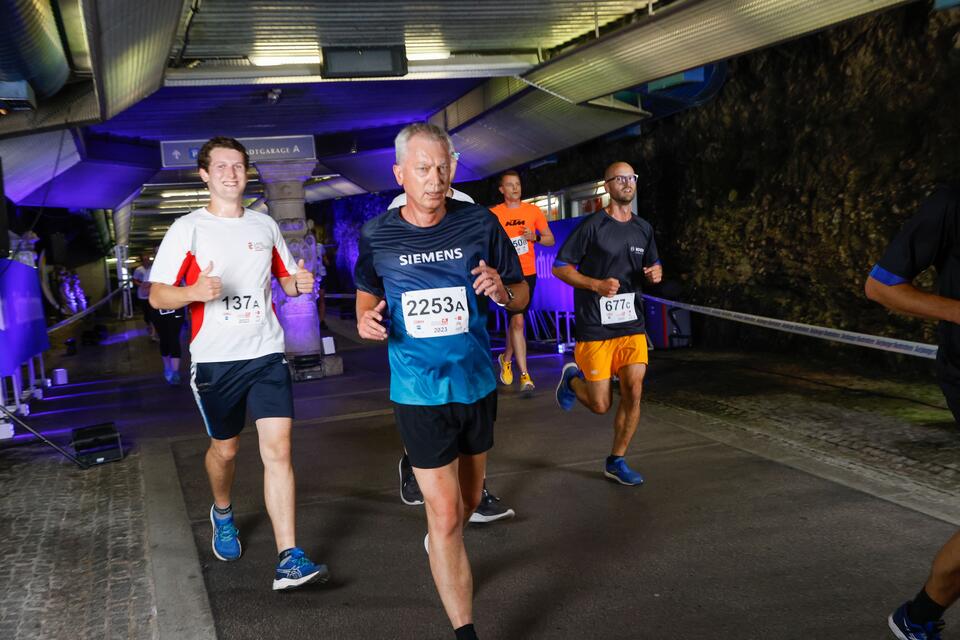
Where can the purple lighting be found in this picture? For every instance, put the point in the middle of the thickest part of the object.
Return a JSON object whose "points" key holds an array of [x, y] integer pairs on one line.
{"points": [[23, 330], [176, 113], [90, 184], [124, 336], [349, 215]]}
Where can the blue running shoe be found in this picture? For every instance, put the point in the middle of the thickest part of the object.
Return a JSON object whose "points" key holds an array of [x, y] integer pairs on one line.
{"points": [[566, 398], [296, 570], [226, 544], [618, 471], [904, 629]]}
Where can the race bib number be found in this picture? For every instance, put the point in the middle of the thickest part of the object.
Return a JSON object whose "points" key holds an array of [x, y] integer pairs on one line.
{"points": [[520, 244], [241, 308], [431, 313], [619, 308]]}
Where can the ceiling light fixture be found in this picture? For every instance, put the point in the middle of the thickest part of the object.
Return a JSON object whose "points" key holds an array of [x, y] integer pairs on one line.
{"points": [[276, 61], [185, 193], [428, 55]]}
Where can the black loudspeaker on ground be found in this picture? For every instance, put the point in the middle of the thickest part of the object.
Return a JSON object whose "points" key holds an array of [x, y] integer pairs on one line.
{"points": [[97, 443]]}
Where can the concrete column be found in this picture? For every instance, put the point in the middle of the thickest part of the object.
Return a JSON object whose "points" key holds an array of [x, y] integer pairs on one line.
{"points": [[284, 197]]}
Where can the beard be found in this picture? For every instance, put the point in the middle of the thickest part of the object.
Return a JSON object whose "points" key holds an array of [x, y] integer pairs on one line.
{"points": [[622, 199]]}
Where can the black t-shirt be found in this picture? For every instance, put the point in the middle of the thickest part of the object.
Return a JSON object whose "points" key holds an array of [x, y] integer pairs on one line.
{"points": [[602, 247], [932, 238]]}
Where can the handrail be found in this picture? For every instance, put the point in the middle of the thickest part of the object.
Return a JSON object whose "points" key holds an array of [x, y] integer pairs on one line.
{"points": [[87, 311]]}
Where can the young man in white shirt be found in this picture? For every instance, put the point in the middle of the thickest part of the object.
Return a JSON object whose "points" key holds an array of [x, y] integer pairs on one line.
{"points": [[219, 260]]}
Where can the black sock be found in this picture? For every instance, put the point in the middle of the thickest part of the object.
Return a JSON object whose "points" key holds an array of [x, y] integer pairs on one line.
{"points": [[222, 512], [612, 459], [923, 609], [286, 552], [466, 632]]}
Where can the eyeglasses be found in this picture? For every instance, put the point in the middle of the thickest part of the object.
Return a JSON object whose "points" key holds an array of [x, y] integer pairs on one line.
{"points": [[632, 178]]}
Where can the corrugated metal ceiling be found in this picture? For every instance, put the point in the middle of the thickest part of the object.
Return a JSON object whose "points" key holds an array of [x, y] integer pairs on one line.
{"points": [[534, 125], [130, 42], [686, 35], [225, 28]]}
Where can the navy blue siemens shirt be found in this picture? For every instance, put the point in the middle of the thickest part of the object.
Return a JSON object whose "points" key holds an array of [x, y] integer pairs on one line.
{"points": [[424, 274], [602, 247], [930, 238]]}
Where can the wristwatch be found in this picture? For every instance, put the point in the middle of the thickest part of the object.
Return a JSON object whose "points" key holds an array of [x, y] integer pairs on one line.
{"points": [[510, 297]]}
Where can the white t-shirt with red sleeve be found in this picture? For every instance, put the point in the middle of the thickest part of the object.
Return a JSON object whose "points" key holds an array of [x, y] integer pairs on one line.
{"points": [[246, 251]]}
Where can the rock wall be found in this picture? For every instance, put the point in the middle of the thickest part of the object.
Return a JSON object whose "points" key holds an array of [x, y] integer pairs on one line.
{"points": [[777, 197]]}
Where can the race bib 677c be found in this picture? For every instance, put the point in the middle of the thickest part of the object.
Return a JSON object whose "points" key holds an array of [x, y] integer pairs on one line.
{"points": [[618, 308]]}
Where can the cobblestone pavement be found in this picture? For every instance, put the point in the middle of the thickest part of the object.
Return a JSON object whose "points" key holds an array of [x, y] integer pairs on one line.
{"points": [[893, 424], [72, 549]]}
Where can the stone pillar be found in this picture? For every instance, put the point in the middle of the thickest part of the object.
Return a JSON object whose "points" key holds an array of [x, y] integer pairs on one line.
{"points": [[284, 196]]}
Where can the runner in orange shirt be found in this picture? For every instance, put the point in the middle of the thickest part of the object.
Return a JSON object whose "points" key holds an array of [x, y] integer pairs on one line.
{"points": [[526, 226]]}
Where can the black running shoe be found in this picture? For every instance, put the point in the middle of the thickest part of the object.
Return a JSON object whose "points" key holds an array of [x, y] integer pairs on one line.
{"points": [[409, 489], [490, 509]]}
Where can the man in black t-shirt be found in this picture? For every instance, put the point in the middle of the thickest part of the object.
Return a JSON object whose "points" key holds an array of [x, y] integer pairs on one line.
{"points": [[607, 259], [929, 239]]}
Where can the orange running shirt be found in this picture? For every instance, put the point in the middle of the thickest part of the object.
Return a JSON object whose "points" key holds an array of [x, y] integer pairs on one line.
{"points": [[514, 221]]}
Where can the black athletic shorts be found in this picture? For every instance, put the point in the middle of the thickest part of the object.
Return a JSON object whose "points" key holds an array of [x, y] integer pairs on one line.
{"points": [[226, 391], [532, 284], [435, 435], [145, 309]]}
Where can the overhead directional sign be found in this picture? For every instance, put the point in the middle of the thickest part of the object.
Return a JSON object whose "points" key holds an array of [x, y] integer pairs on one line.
{"points": [[183, 153]]}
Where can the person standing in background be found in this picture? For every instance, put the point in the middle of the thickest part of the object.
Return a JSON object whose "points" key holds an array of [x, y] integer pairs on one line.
{"points": [[141, 280]]}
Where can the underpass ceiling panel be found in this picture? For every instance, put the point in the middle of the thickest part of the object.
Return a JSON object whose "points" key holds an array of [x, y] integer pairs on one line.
{"points": [[199, 112], [90, 184], [687, 35], [535, 125], [30, 161], [372, 170]]}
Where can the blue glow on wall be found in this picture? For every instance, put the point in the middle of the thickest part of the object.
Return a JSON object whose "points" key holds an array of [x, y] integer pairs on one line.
{"points": [[23, 329], [349, 215], [552, 294]]}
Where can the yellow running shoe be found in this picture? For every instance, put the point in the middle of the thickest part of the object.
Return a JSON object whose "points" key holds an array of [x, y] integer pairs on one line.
{"points": [[526, 384], [506, 370]]}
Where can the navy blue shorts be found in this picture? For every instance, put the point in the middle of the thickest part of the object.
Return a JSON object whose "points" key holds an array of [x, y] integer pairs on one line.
{"points": [[226, 391], [435, 435]]}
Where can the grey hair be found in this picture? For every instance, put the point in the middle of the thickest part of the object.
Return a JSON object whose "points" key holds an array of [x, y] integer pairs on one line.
{"points": [[431, 131]]}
